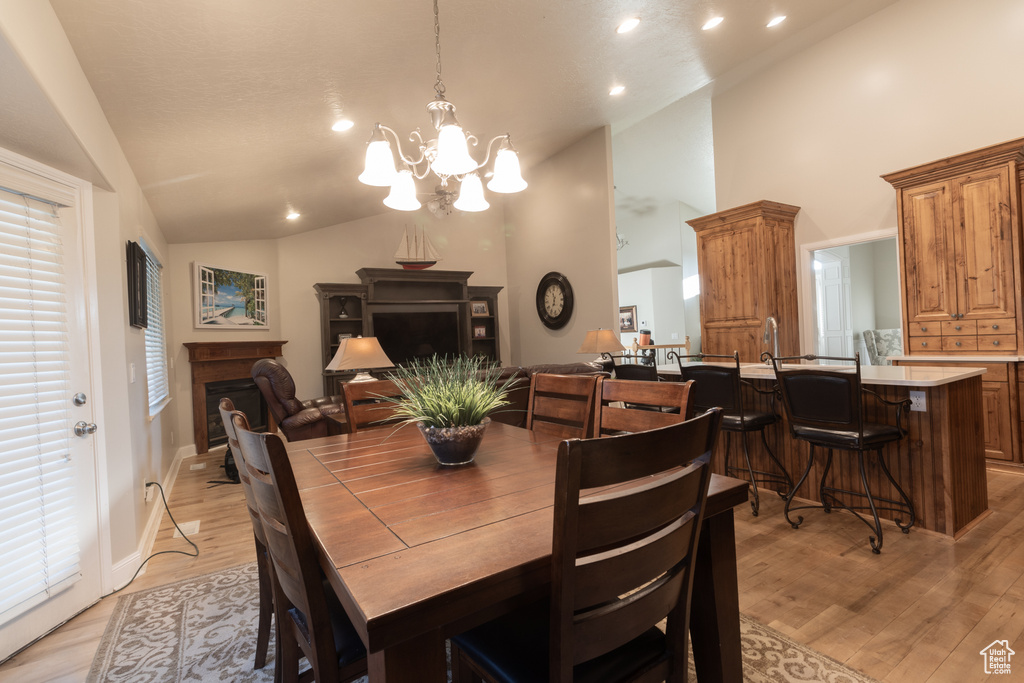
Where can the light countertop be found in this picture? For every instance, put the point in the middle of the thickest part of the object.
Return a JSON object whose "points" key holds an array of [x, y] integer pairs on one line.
{"points": [[959, 358], [892, 375]]}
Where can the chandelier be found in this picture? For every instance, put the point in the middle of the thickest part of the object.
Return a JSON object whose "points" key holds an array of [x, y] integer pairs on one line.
{"points": [[447, 156]]}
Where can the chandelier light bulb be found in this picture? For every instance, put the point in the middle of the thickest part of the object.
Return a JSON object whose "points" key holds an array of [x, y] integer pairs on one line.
{"points": [[452, 153], [507, 176], [471, 197], [380, 164], [403, 193]]}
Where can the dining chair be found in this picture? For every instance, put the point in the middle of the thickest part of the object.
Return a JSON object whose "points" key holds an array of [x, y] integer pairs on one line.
{"points": [[311, 620], [626, 405], [627, 517], [365, 404], [264, 571], [562, 405], [718, 383], [825, 408]]}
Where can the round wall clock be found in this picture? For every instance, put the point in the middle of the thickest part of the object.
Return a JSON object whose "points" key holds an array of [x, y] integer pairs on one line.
{"points": [[554, 300]]}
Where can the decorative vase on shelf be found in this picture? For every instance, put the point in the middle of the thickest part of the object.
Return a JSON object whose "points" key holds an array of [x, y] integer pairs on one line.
{"points": [[454, 445]]}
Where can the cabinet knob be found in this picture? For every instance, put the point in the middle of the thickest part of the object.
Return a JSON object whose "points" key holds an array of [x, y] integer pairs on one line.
{"points": [[958, 343], [924, 343], [995, 343], [924, 329], [995, 327], [953, 316], [956, 327]]}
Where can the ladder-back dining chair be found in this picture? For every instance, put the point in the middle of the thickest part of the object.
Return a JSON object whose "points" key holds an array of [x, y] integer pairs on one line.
{"points": [[626, 405], [366, 406], [627, 518], [718, 383], [825, 408], [637, 371], [311, 620], [562, 405], [264, 570]]}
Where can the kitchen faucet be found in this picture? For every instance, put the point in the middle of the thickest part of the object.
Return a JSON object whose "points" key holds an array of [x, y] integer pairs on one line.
{"points": [[771, 325]]}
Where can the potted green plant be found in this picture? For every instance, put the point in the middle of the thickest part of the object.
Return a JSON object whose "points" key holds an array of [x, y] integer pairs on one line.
{"points": [[450, 400]]}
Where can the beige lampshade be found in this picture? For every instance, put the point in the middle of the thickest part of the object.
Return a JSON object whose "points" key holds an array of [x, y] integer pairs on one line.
{"points": [[359, 353], [601, 341]]}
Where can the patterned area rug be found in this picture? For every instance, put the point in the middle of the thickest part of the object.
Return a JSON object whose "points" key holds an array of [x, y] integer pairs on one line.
{"points": [[204, 629]]}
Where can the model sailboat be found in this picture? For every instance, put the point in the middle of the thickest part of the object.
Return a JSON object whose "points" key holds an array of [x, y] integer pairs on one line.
{"points": [[416, 252]]}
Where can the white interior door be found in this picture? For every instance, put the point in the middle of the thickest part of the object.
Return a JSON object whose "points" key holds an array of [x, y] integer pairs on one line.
{"points": [[832, 297], [49, 554]]}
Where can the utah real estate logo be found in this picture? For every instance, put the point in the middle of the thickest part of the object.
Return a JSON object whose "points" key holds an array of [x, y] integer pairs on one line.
{"points": [[997, 657]]}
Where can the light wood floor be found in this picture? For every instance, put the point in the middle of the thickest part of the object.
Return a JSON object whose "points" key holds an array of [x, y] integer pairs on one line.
{"points": [[920, 611]]}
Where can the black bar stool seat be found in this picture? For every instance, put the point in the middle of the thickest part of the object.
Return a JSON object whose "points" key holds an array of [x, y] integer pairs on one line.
{"points": [[824, 407], [718, 385]]}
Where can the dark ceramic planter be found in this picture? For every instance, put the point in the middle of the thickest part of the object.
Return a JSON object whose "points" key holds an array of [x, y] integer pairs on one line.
{"points": [[454, 445]]}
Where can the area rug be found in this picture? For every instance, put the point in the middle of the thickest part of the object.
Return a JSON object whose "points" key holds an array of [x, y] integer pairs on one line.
{"points": [[204, 629]]}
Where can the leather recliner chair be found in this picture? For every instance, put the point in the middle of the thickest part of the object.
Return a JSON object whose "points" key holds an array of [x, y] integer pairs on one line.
{"points": [[297, 419]]}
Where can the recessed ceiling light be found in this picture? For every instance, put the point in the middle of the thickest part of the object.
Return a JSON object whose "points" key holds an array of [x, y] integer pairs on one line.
{"points": [[776, 21], [628, 25], [342, 125], [293, 215], [713, 23], [617, 90]]}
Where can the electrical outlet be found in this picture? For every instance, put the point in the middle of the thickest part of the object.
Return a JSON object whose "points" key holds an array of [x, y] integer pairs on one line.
{"points": [[917, 402], [150, 493]]}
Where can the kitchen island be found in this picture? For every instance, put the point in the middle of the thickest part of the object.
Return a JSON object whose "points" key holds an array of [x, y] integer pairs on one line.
{"points": [[940, 463]]}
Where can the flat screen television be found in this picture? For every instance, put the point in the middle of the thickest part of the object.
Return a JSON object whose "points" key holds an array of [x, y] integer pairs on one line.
{"points": [[408, 332]]}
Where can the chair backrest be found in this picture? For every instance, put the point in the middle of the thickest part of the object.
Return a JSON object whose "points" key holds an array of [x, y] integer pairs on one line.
{"points": [[636, 371], [626, 405], [364, 406], [622, 557], [277, 386], [562, 405], [818, 399], [227, 413], [717, 382], [289, 542]]}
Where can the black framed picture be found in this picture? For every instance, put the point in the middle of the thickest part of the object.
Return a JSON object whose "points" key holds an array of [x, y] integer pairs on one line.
{"points": [[138, 311]]}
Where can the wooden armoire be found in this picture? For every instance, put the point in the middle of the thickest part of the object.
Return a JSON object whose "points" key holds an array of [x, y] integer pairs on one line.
{"points": [[746, 257], [960, 241]]}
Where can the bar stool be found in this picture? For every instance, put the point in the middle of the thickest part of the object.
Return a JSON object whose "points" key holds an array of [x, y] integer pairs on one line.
{"points": [[825, 408], [719, 385]]}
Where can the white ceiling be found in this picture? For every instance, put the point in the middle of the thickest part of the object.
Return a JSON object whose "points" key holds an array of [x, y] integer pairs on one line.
{"points": [[224, 107]]}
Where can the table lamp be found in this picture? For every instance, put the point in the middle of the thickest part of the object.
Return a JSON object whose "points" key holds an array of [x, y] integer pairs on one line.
{"points": [[603, 342], [360, 353]]}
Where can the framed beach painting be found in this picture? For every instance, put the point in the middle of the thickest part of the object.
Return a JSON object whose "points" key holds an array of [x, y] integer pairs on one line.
{"points": [[229, 299]]}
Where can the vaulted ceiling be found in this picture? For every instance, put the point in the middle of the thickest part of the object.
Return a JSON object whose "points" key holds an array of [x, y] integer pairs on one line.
{"points": [[224, 107]]}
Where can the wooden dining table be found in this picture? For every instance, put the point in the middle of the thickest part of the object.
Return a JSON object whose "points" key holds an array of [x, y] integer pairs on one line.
{"points": [[418, 552]]}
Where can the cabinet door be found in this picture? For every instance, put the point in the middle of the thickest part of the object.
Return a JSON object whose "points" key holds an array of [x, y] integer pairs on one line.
{"points": [[995, 399], [928, 253], [984, 264], [732, 282]]}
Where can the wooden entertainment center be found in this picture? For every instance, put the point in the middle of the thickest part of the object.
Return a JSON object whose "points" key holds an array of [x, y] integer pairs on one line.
{"points": [[347, 309]]}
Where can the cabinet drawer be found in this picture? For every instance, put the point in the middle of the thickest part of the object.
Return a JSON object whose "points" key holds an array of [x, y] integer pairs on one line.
{"points": [[959, 343], [994, 372], [924, 329], [925, 344], [959, 327], [995, 326], [997, 342]]}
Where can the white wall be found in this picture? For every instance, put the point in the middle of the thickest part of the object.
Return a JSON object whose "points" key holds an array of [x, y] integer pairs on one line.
{"points": [[657, 294], [885, 257], [134, 448], [916, 82], [563, 222]]}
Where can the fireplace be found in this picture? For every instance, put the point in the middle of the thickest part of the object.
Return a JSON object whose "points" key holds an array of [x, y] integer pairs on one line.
{"points": [[214, 362], [245, 395]]}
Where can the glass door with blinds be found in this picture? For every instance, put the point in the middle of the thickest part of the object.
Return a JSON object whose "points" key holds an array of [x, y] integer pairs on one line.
{"points": [[49, 558]]}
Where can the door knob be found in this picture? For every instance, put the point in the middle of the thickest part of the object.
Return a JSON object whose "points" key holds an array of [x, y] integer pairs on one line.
{"points": [[83, 428]]}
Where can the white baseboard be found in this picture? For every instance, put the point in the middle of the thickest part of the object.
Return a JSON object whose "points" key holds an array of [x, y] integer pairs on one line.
{"points": [[186, 451], [124, 569]]}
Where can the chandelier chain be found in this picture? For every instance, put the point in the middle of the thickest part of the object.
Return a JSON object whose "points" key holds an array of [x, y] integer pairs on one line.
{"points": [[438, 85]]}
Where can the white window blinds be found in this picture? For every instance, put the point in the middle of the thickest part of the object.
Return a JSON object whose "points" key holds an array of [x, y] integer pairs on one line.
{"points": [[38, 536], [156, 358]]}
